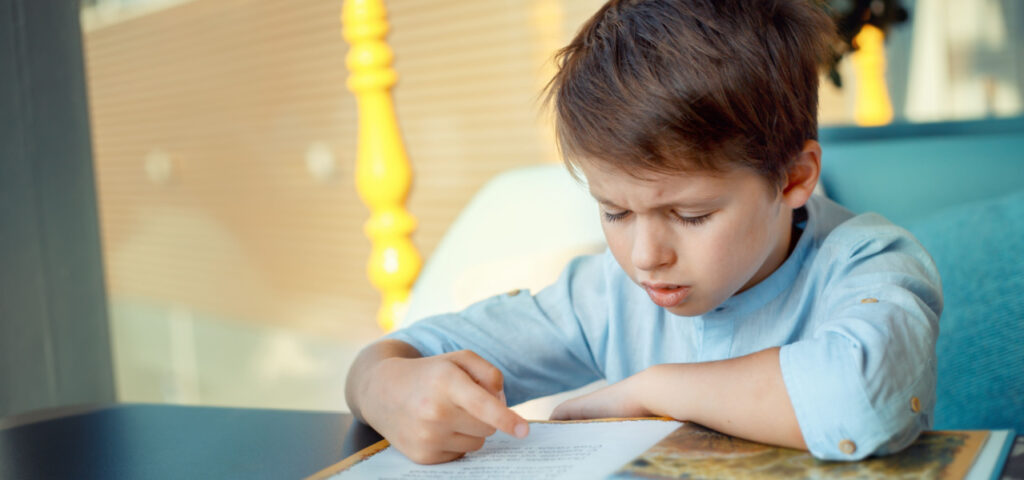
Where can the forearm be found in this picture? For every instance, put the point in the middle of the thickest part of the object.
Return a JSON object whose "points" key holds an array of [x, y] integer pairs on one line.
{"points": [[362, 368], [745, 397]]}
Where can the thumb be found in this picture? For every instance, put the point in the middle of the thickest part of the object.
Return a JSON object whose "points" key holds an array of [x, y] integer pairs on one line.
{"points": [[481, 371]]}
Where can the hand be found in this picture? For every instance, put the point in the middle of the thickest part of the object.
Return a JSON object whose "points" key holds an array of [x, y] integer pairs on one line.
{"points": [[435, 409], [622, 399]]}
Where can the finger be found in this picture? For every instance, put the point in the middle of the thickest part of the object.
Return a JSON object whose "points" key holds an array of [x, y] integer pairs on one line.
{"points": [[480, 370], [467, 424], [459, 443], [487, 408], [431, 457]]}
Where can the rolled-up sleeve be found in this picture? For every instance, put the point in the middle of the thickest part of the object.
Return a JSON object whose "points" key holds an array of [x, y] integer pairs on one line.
{"points": [[863, 381], [537, 341]]}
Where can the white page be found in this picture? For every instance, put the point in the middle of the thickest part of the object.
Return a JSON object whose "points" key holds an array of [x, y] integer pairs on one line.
{"points": [[550, 451], [989, 456]]}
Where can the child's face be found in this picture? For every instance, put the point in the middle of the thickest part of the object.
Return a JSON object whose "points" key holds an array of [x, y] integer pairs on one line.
{"points": [[692, 240]]}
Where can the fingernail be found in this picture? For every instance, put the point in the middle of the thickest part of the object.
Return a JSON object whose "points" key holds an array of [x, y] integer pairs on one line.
{"points": [[501, 396], [521, 430]]}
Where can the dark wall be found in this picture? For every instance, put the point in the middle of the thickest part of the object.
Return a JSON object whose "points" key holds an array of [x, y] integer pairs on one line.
{"points": [[54, 342]]}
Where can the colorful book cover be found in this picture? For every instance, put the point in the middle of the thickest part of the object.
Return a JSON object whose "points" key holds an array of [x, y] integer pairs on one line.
{"points": [[693, 452]]}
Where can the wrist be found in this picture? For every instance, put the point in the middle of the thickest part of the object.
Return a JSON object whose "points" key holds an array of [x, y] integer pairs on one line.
{"points": [[647, 392], [659, 392], [372, 364], [374, 388]]}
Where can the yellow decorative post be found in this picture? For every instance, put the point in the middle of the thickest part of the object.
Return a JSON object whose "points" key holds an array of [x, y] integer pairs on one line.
{"points": [[383, 174], [873, 106]]}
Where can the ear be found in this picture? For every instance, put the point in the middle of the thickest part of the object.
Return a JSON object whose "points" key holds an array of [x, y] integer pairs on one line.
{"points": [[802, 176]]}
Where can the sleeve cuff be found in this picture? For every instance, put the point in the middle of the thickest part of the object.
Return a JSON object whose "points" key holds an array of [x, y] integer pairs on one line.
{"points": [[425, 348], [835, 415]]}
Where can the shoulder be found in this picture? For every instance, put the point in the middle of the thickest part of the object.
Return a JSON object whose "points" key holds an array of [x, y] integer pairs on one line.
{"points": [[842, 237], [862, 255], [594, 272], [595, 280], [597, 269]]}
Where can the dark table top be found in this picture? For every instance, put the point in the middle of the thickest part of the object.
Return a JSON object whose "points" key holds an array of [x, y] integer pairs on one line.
{"points": [[170, 441]]}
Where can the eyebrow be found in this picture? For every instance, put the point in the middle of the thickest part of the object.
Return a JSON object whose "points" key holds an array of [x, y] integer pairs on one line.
{"points": [[694, 204]]}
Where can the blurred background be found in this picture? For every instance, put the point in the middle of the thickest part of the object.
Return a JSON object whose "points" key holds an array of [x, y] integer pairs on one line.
{"points": [[224, 143]]}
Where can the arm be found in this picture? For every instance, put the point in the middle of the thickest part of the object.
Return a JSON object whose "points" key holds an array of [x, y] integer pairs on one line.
{"points": [[537, 341], [437, 388], [743, 396], [432, 409]]}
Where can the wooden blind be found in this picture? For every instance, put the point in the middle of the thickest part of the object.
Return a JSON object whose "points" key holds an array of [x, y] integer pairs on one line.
{"points": [[216, 124]]}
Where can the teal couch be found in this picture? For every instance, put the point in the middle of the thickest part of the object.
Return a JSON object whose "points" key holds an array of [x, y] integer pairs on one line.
{"points": [[959, 188]]}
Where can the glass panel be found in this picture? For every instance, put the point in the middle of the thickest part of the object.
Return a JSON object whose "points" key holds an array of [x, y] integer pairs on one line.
{"points": [[224, 142]]}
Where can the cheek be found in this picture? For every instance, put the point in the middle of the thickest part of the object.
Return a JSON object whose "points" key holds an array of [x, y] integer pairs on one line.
{"points": [[732, 251], [752, 245], [620, 244], [716, 256]]}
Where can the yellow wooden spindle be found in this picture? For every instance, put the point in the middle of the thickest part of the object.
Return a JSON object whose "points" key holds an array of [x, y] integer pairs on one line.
{"points": [[383, 174], [873, 106]]}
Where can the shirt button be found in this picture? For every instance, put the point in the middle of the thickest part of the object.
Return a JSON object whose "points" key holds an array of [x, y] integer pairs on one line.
{"points": [[514, 292], [869, 300], [915, 404], [847, 447]]}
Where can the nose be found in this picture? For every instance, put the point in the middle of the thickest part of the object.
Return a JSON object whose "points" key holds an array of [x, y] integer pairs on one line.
{"points": [[652, 249]]}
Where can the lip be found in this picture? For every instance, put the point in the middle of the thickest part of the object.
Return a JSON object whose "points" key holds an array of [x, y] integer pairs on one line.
{"points": [[667, 295]]}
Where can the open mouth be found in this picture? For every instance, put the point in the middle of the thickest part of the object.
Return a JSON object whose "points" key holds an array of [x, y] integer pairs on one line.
{"points": [[667, 296]]}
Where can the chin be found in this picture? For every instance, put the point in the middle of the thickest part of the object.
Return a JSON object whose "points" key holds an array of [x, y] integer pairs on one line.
{"points": [[688, 309]]}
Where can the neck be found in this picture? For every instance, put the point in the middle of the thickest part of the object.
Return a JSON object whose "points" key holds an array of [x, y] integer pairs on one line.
{"points": [[788, 236]]}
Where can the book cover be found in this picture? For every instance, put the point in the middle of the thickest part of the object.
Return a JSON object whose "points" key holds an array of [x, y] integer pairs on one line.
{"points": [[694, 452]]}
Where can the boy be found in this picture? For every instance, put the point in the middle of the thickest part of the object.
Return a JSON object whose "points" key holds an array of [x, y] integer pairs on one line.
{"points": [[729, 295]]}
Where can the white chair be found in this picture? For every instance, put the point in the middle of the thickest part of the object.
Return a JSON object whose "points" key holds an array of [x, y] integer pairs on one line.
{"points": [[518, 231]]}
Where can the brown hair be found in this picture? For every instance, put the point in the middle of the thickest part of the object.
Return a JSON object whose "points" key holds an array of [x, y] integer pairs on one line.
{"points": [[670, 85]]}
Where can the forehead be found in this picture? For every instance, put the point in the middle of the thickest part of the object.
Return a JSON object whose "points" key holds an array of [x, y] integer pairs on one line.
{"points": [[608, 182]]}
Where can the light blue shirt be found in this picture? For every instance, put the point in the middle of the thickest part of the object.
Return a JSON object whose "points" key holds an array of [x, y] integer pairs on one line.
{"points": [[855, 309]]}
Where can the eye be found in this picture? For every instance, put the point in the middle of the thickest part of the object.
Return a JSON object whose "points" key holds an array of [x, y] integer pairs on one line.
{"points": [[614, 217], [691, 221]]}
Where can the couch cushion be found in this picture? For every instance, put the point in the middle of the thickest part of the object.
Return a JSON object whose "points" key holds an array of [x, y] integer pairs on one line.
{"points": [[979, 249], [908, 171], [905, 179]]}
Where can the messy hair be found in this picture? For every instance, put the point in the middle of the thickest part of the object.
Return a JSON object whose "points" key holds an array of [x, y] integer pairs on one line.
{"points": [[692, 85]]}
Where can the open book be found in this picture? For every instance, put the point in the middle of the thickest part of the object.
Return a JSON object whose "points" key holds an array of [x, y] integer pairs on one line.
{"points": [[662, 448]]}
